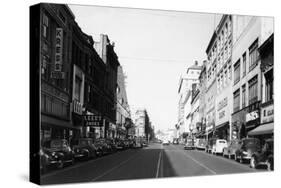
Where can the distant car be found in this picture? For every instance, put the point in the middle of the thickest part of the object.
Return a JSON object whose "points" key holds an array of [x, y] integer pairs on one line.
{"points": [[189, 144], [219, 145], [247, 148], [263, 156], [145, 143], [165, 142], [201, 144], [231, 149]]}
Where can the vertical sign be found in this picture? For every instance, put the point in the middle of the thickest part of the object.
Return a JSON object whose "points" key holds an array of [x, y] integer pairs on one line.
{"points": [[58, 49]]}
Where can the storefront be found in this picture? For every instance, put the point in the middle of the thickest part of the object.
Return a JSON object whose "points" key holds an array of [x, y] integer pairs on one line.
{"points": [[238, 124]]}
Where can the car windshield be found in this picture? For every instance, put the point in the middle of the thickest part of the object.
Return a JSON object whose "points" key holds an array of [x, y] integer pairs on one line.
{"points": [[189, 141], [58, 143], [251, 142], [222, 141]]}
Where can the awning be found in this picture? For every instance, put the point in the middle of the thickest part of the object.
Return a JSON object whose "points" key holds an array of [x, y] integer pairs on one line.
{"points": [[262, 129]]}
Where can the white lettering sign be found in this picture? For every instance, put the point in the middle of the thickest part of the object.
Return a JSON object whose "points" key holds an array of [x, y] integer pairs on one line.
{"points": [[58, 49]]}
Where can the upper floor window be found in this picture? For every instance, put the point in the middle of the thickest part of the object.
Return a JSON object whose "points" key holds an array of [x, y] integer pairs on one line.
{"points": [[237, 72], [45, 28], [243, 96], [269, 85], [253, 55], [236, 100], [244, 64], [253, 90]]}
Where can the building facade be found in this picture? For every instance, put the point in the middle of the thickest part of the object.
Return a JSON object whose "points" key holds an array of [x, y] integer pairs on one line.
{"points": [[190, 77], [55, 73], [248, 34], [123, 116], [202, 99]]}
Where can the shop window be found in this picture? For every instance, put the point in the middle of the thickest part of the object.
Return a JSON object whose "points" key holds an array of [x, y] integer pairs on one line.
{"points": [[78, 85]]}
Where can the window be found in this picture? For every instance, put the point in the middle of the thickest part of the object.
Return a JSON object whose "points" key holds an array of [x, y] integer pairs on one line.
{"points": [[243, 96], [225, 77], [236, 100], [78, 83], [222, 82], [219, 87], [269, 85], [244, 64], [45, 26], [237, 72], [62, 17], [229, 73], [253, 90], [89, 94], [253, 55]]}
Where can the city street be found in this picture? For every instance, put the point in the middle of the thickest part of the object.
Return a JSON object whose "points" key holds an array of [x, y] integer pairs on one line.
{"points": [[154, 161]]}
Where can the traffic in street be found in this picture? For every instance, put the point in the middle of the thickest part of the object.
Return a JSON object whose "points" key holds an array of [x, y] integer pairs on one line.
{"points": [[155, 161]]}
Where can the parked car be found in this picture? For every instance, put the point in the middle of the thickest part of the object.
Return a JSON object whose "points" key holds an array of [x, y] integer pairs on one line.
{"points": [[210, 144], [189, 144], [263, 156], [145, 143], [218, 146], [231, 149], [120, 144], [175, 141], [85, 149], [201, 145], [49, 159], [165, 142], [63, 151], [112, 144], [246, 149]]}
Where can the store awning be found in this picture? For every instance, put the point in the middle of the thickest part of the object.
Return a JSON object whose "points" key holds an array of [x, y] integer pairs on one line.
{"points": [[262, 129]]}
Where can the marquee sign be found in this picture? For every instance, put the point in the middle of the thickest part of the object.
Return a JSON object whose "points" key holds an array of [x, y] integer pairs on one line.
{"points": [[93, 120], [58, 49]]}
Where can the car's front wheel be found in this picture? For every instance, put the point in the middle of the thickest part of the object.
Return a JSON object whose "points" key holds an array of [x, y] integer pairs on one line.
{"points": [[269, 165], [253, 162]]}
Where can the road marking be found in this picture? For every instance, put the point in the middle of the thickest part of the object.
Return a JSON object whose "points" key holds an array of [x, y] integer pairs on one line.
{"points": [[110, 170], [80, 164], [159, 162], [213, 172]]}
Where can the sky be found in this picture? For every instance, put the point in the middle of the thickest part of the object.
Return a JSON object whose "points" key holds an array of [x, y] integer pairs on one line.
{"points": [[155, 48]]}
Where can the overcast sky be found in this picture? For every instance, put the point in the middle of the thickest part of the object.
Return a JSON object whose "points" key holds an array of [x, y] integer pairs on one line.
{"points": [[154, 48]]}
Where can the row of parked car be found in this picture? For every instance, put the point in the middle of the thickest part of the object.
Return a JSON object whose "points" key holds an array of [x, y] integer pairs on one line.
{"points": [[58, 153], [249, 150]]}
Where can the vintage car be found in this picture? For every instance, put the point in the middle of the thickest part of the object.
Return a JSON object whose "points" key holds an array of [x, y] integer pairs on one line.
{"points": [[165, 142], [263, 156], [201, 144], [49, 159], [120, 144], [112, 145], [105, 148], [63, 150], [175, 142], [231, 148], [247, 147], [85, 149], [189, 144], [218, 146]]}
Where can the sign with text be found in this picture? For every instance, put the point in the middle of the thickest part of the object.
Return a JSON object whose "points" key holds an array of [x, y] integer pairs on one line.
{"points": [[252, 116], [93, 120], [267, 114], [57, 75], [58, 49]]}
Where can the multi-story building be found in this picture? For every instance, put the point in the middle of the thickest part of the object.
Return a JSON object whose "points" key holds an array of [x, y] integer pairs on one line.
{"points": [[195, 124], [123, 115], [202, 99], [265, 129], [55, 71], [191, 76], [105, 50], [248, 34], [223, 101], [140, 122], [211, 85]]}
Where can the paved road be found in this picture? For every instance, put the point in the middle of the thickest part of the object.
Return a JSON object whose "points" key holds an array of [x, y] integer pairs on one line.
{"points": [[155, 161]]}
